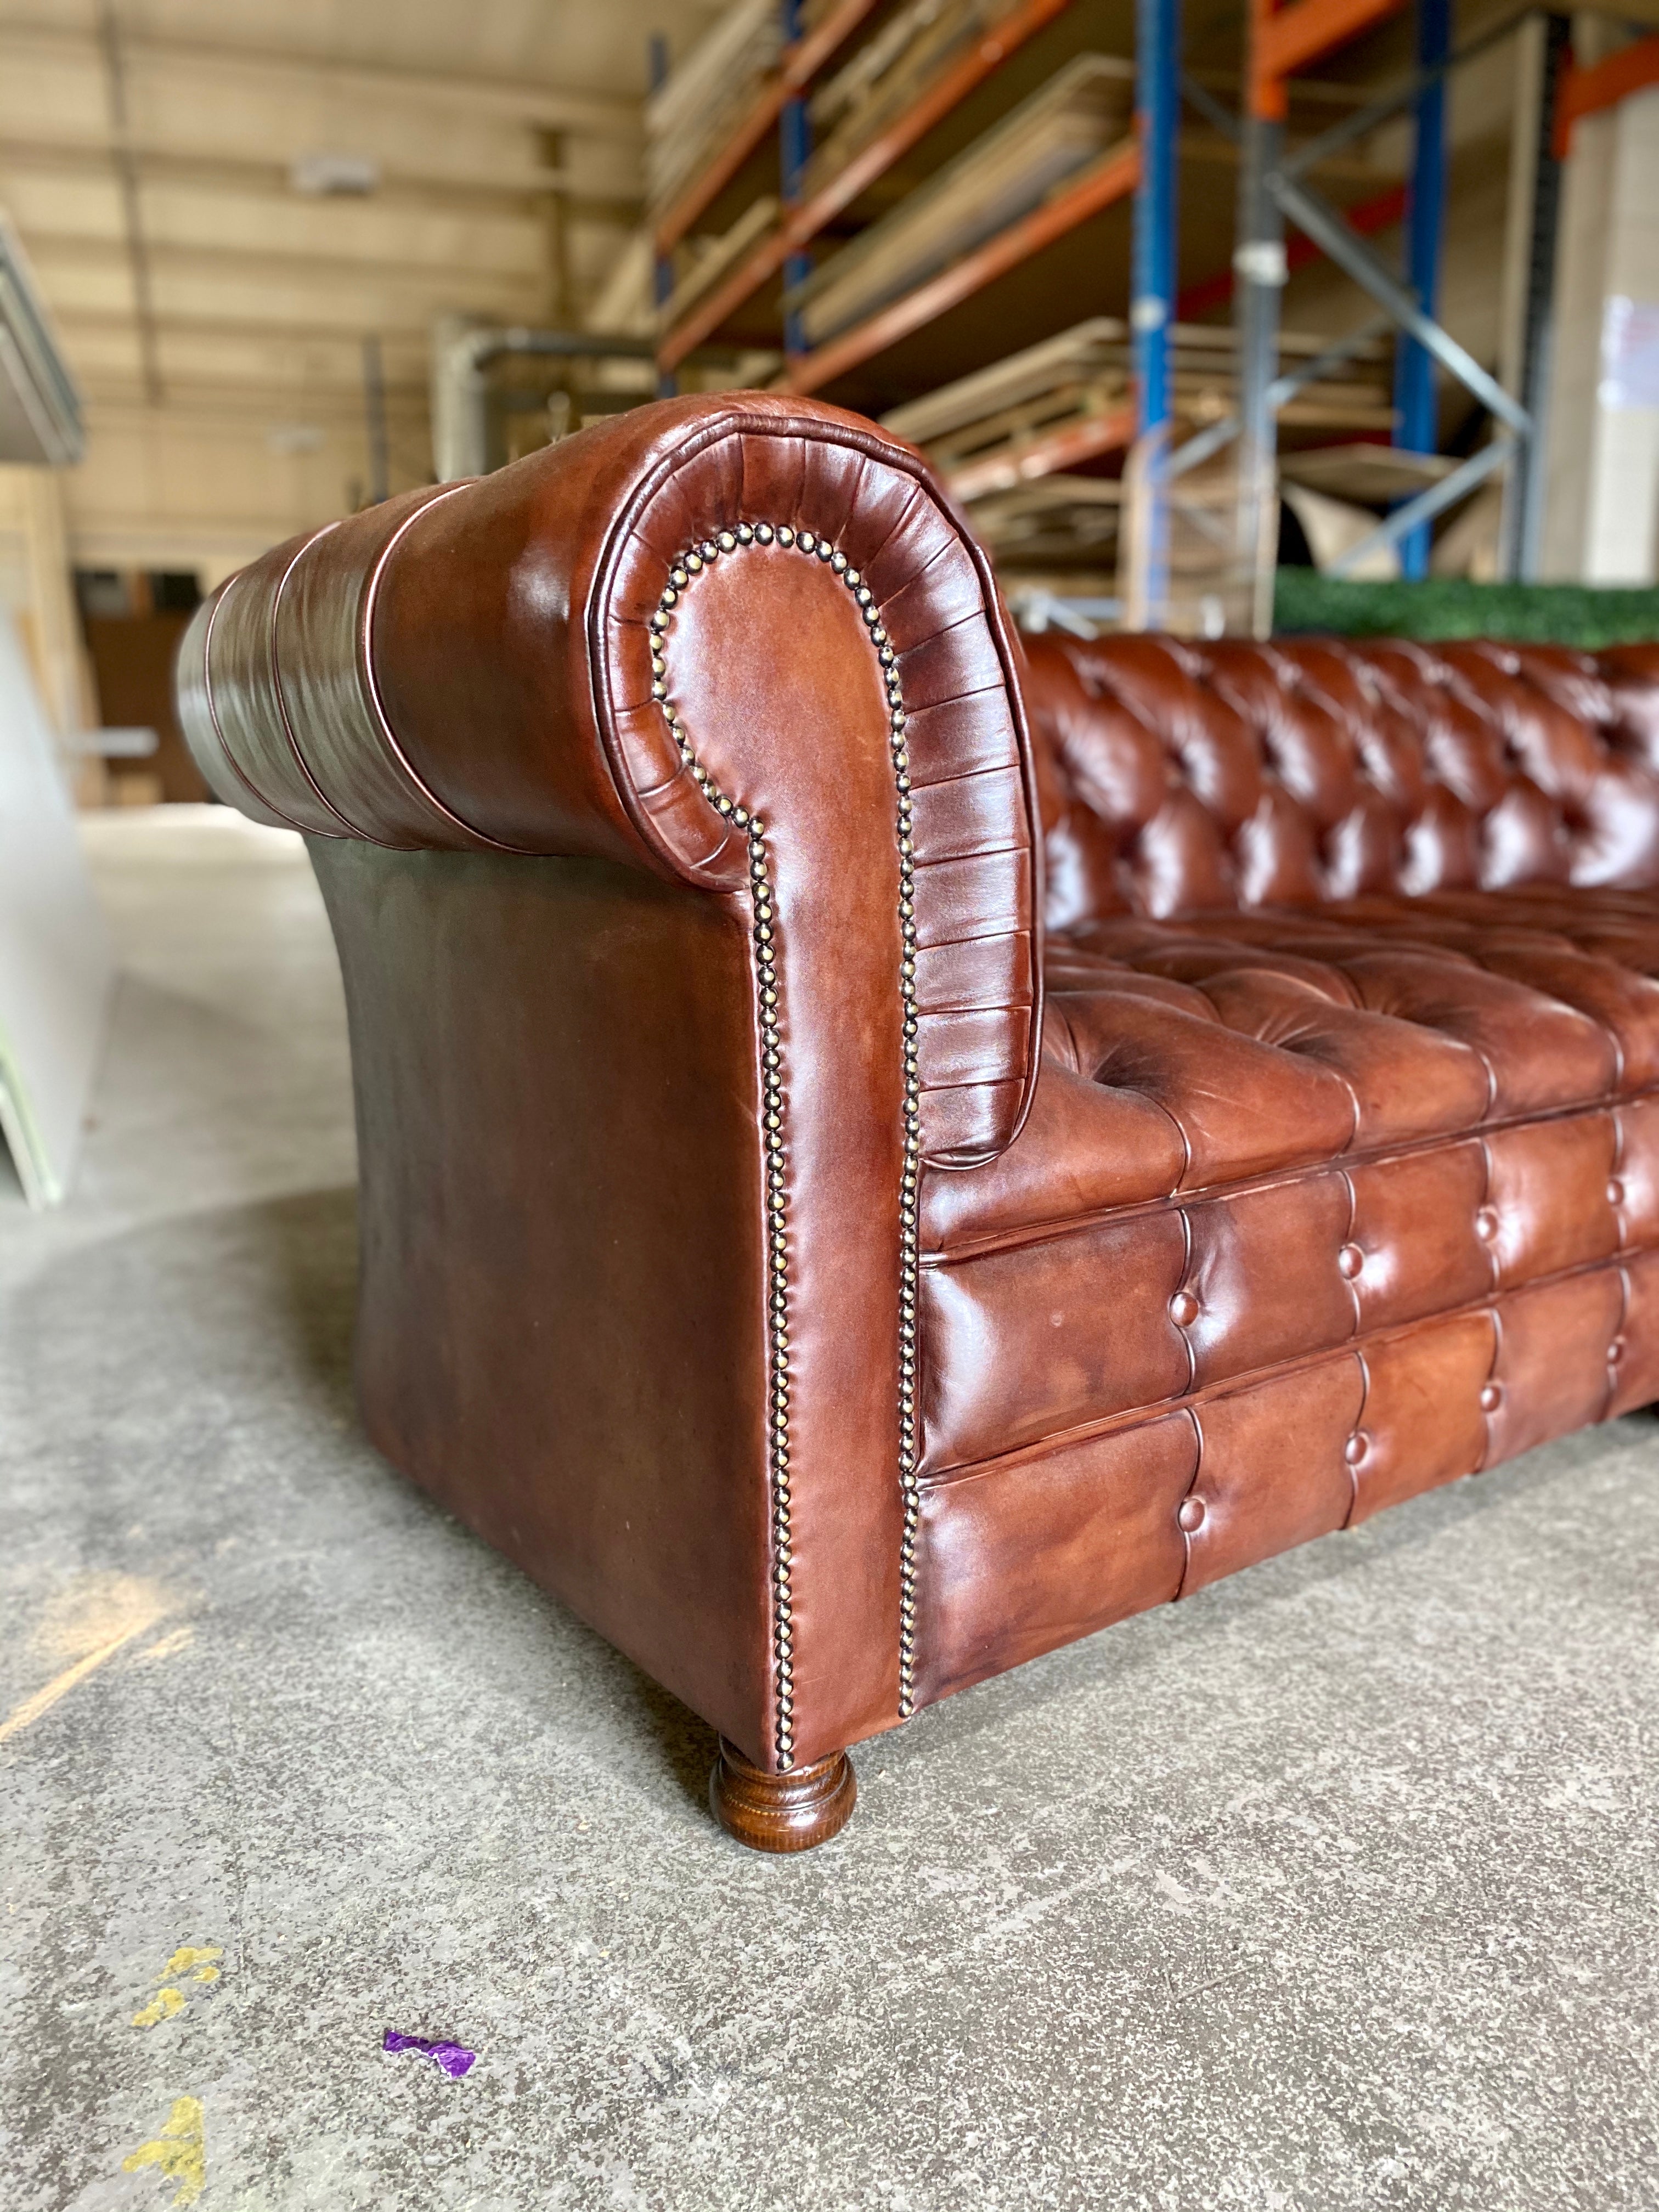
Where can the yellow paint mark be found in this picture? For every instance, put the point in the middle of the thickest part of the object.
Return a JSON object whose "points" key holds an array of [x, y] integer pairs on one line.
{"points": [[181, 2150], [168, 1645], [200, 1958], [87, 1623], [30, 1711], [163, 2006], [92, 1610]]}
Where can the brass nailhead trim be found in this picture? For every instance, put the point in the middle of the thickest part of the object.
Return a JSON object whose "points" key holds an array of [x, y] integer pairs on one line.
{"points": [[689, 564]]}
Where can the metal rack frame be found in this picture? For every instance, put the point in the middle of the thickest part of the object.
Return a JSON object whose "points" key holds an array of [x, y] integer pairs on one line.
{"points": [[1273, 189], [1273, 192], [782, 101]]}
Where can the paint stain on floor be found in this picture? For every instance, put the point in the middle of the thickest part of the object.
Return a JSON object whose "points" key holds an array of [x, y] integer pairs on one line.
{"points": [[196, 1962], [87, 1622], [179, 2151]]}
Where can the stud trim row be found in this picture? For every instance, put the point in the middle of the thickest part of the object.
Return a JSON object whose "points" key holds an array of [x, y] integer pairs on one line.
{"points": [[682, 573]]}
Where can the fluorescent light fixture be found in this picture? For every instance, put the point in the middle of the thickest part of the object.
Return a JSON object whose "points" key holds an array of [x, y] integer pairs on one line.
{"points": [[334, 176]]}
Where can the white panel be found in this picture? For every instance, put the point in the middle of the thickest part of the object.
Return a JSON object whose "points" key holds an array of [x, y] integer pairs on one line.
{"points": [[54, 950]]}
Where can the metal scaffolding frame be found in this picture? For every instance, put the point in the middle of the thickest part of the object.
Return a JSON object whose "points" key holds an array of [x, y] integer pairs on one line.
{"points": [[1273, 190], [1276, 190]]}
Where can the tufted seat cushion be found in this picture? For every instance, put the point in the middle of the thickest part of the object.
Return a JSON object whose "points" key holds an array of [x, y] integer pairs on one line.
{"points": [[1329, 1192]]}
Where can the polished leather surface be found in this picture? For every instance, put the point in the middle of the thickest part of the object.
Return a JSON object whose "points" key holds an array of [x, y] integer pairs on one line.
{"points": [[1314, 1161], [1180, 777], [466, 675], [1329, 1192], [467, 667], [558, 1229]]}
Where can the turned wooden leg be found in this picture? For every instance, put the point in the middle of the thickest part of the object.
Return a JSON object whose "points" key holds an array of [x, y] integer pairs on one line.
{"points": [[787, 1812]]}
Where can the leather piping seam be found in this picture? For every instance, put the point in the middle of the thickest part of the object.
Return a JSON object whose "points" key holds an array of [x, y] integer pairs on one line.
{"points": [[1019, 1238], [231, 761], [682, 572], [740, 423], [347, 828], [371, 682], [1489, 1304]]}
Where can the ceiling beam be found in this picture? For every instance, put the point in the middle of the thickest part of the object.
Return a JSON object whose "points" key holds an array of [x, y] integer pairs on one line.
{"points": [[600, 115], [230, 400], [271, 329], [508, 192], [46, 246]]}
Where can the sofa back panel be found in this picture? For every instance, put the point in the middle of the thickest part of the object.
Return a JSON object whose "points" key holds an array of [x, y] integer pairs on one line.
{"points": [[1176, 776]]}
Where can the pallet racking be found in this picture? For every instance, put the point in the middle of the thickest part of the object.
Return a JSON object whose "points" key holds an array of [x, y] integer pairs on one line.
{"points": [[806, 217], [1274, 195]]}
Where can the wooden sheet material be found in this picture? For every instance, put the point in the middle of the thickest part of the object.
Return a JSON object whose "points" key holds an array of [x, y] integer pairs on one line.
{"points": [[709, 259], [1068, 403], [1371, 474], [700, 102], [1071, 122], [1060, 522], [1074, 356], [54, 950], [888, 73]]}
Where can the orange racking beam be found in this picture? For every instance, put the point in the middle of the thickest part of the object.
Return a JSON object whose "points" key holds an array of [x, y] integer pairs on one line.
{"points": [[1286, 40], [1111, 179], [873, 160], [1587, 91], [801, 62]]}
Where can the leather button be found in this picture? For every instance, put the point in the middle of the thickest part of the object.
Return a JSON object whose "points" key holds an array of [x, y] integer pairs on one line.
{"points": [[1492, 1397], [1356, 1448], [1486, 1224], [1349, 1261], [1615, 1193], [1191, 1515], [1183, 1312]]}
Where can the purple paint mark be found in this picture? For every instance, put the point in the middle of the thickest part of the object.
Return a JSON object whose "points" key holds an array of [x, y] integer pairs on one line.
{"points": [[454, 2058]]}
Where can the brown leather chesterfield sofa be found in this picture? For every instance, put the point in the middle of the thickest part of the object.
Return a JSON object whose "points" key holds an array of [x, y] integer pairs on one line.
{"points": [[832, 1294]]}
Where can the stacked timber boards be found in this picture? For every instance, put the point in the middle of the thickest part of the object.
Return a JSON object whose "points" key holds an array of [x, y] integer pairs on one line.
{"points": [[1079, 115]]}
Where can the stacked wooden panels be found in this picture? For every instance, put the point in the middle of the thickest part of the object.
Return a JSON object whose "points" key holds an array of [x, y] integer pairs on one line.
{"points": [[1076, 117], [703, 102], [887, 75], [1010, 441]]}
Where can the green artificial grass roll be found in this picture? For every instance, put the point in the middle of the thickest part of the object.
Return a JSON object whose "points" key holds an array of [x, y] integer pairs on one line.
{"points": [[1451, 607]]}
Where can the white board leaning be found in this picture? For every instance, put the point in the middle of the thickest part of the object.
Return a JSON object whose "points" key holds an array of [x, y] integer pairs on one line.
{"points": [[54, 948]]}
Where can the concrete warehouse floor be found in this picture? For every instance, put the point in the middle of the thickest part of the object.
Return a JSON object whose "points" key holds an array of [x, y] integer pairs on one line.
{"points": [[1334, 1887]]}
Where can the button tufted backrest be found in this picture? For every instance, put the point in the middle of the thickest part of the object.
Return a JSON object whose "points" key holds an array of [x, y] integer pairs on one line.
{"points": [[1176, 776]]}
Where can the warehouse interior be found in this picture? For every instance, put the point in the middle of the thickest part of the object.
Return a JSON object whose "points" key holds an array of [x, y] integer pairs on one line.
{"points": [[1210, 320]]}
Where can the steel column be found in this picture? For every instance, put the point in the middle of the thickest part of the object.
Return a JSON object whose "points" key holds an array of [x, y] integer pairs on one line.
{"points": [[1157, 119], [794, 144], [1259, 273], [1524, 505], [662, 269], [1158, 112], [1418, 429]]}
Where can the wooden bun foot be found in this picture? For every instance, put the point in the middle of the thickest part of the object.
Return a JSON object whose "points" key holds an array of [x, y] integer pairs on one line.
{"points": [[787, 1812]]}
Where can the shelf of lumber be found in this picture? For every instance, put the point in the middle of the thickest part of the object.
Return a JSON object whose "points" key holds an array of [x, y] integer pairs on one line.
{"points": [[1049, 454], [804, 224], [1112, 178], [801, 64]]}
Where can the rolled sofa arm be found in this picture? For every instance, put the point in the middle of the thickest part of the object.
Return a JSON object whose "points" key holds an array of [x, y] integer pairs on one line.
{"points": [[469, 667], [741, 647]]}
